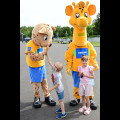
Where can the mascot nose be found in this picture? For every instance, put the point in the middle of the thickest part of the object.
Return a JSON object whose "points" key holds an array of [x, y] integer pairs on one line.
{"points": [[83, 21], [50, 45]]}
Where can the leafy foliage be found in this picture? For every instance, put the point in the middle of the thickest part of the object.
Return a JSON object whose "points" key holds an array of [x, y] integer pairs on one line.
{"points": [[27, 31], [66, 31]]}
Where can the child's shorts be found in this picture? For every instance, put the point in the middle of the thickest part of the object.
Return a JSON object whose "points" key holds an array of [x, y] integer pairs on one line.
{"points": [[60, 95], [93, 83], [85, 88], [37, 74]]}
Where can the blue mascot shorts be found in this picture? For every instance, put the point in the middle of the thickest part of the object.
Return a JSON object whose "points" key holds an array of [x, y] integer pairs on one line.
{"points": [[37, 74]]}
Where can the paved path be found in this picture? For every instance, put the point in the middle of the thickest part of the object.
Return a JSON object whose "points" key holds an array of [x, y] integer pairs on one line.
{"points": [[27, 112]]}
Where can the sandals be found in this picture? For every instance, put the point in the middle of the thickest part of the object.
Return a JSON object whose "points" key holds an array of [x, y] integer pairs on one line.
{"points": [[82, 109], [85, 110]]}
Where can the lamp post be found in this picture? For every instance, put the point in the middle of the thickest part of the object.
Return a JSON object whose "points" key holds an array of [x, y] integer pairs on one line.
{"points": [[22, 36], [66, 33], [57, 36]]}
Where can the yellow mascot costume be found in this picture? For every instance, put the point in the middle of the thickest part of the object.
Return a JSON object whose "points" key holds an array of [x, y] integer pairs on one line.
{"points": [[35, 59], [79, 19]]}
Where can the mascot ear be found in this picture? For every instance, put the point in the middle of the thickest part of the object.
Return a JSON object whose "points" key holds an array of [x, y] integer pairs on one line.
{"points": [[91, 9], [53, 28], [43, 30], [68, 10]]}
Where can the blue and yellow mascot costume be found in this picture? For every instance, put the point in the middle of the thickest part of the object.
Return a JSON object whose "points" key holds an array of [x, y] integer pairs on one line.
{"points": [[35, 59], [80, 19]]}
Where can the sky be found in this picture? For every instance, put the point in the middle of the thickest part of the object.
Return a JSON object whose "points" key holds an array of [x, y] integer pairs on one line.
{"points": [[52, 12]]}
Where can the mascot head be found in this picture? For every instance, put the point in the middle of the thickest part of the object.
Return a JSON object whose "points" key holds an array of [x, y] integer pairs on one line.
{"points": [[42, 34], [80, 14], [80, 19]]}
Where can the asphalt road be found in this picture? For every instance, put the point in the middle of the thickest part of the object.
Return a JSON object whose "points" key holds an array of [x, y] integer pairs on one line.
{"points": [[27, 112]]}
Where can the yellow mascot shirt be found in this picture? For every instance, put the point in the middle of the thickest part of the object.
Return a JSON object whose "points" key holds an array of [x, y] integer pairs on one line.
{"points": [[32, 47], [74, 53]]}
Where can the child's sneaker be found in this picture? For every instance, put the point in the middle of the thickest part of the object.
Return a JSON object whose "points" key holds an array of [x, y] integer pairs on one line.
{"points": [[88, 110], [82, 109], [61, 115], [58, 111]]}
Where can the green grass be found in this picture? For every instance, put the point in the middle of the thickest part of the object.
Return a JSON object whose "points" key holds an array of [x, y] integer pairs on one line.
{"points": [[92, 36], [54, 42], [93, 43], [96, 44], [71, 37]]}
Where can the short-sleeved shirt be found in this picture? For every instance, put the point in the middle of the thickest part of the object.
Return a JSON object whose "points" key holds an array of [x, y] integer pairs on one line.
{"points": [[86, 70], [32, 47], [56, 79]]}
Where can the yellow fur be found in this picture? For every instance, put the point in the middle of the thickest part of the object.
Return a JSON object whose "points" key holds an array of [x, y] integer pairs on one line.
{"points": [[80, 19]]}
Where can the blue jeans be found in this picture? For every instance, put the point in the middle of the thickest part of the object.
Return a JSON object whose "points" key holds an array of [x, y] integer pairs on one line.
{"points": [[60, 95]]}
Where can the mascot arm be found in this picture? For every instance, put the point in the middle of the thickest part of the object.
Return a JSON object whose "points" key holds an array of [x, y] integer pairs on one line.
{"points": [[94, 63], [36, 57], [92, 57], [69, 58]]}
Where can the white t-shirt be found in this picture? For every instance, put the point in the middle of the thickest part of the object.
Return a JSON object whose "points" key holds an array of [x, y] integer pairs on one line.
{"points": [[56, 78]]}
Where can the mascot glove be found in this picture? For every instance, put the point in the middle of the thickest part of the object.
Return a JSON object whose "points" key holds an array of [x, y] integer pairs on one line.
{"points": [[68, 72], [96, 67]]}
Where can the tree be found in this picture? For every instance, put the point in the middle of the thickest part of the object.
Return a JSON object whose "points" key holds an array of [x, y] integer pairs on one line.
{"points": [[57, 33], [27, 31], [97, 25], [66, 31], [89, 30], [62, 31], [94, 29]]}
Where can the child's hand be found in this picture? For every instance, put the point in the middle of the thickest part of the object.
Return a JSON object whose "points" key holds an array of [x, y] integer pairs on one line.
{"points": [[47, 53], [85, 75], [46, 50], [81, 75]]}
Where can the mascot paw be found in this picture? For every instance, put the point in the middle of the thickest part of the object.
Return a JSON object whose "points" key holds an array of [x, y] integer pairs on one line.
{"points": [[93, 105], [37, 103], [96, 68], [68, 72], [50, 101]]}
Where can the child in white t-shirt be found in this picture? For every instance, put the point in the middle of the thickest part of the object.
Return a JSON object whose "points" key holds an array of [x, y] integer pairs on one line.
{"points": [[58, 86]]}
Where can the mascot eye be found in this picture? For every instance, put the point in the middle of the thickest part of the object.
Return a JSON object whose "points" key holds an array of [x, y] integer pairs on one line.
{"points": [[77, 15], [45, 38], [86, 15]]}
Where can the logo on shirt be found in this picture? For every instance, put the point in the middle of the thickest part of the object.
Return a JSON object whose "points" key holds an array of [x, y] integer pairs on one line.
{"points": [[29, 48], [52, 77], [81, 51], [39, 50]]}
